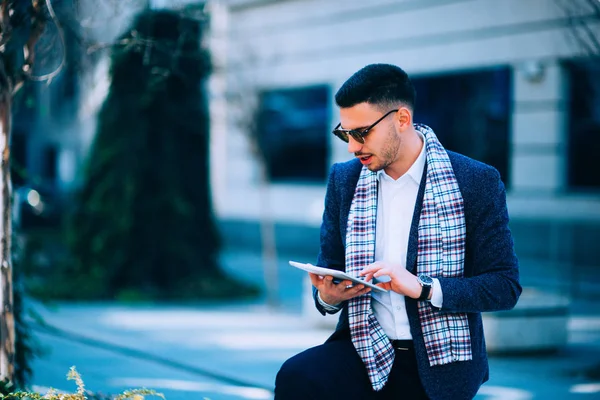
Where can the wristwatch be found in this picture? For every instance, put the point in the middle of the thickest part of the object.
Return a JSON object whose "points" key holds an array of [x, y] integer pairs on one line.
{"points": [[426, 286]]}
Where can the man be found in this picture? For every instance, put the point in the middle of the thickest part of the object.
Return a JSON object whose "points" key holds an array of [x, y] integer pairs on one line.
{"points": [[428, 225]]}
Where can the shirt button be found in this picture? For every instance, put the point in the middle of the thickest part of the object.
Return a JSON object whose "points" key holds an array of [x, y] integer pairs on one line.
{"points": [[399, 308]]}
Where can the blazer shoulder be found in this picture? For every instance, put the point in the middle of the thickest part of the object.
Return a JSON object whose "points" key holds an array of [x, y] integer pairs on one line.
{"points": [[342, 182], [347, 172], [474, 178]]}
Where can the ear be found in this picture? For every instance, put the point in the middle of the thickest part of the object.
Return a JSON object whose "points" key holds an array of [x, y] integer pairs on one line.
{"points": [[403, 118]]}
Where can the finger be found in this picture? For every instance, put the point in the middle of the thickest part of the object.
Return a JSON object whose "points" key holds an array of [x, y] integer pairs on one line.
{"points": [[327, 281], [368, 277], [382, 271], [339, 286], [315, 279], [349, 291], [364, 290], [371, 268], [366, 270], [358, 289]]}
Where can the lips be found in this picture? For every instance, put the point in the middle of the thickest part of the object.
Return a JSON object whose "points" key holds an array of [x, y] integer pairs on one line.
{"points": [[365, 160]]}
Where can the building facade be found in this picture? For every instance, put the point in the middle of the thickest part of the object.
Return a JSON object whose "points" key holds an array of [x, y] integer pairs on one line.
{"points": [[513, 83]]}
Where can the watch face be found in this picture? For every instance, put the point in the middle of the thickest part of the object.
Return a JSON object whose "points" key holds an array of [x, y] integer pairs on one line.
{"points": [[426, 279]]}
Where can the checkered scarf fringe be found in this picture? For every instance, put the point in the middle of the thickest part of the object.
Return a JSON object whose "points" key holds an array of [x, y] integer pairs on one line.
{"points": [[441, 252]]}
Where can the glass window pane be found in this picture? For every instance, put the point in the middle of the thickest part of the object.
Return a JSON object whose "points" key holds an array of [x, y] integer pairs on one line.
{"points": [[293, 126], [470, 113], [584, 123]]}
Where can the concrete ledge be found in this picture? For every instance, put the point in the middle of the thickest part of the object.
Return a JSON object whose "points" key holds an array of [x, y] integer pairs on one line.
{"points": [[537, 324]]}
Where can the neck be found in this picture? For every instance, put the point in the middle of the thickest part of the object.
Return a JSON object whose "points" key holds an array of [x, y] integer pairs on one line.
{"points": [[408, 152]]}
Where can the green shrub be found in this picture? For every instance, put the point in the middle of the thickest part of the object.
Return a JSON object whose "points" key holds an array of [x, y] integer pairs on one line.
{"points": [[81, 394]]}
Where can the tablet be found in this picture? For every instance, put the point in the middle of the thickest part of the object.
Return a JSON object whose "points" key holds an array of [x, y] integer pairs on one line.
{"points": [[335, 273]]}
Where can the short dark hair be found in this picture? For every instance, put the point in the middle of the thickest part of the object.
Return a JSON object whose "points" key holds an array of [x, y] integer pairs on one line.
{"points": [[382, 85]]}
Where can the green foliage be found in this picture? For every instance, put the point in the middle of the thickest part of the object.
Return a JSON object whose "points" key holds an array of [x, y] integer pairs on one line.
{"points": [[26, 346], [6, 387], [81, 394], [143, 220]]}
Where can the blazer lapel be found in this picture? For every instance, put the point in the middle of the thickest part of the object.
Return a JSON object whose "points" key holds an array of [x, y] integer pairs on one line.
{"points": [[413, 239]]}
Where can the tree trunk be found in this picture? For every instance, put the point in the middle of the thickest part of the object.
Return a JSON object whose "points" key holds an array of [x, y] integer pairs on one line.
{"points": [[7, 323], [268, 240]]}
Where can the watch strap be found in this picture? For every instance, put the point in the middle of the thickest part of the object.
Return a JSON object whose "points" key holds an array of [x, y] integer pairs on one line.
{"points": [[425, 291], [426, 286]]}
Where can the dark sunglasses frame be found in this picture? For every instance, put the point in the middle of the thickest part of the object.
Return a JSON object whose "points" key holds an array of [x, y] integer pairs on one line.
{"points": [[359, 136]]}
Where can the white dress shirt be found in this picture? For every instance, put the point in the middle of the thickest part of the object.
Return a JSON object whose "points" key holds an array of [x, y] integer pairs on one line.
{"points": [[395, 208]]}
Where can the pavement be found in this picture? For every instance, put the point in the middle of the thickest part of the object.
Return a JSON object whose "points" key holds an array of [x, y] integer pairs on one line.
{"points": [[233, 350]]}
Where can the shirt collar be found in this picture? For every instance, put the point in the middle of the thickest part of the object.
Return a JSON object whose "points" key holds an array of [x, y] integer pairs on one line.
{"points": [[416, 170]]}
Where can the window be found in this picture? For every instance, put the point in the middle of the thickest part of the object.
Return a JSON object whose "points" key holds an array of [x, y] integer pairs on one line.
{"points": [[470, 113], [292, 129], [584, 124]]}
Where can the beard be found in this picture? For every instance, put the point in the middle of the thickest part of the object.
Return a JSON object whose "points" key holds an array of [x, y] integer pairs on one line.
{"points": [[389, 151]]}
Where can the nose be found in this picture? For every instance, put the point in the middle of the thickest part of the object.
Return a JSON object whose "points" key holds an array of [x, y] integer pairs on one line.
{"points": [[353, 145]]}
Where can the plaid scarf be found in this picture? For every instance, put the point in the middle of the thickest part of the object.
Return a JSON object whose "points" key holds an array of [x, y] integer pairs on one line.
{"points": [[441, 251]]}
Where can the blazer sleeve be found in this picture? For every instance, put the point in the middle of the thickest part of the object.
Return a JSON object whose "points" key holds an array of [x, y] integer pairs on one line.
{"points": [[331, 254], [491, 281]]}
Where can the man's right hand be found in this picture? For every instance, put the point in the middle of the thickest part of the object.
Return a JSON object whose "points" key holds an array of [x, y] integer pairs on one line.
{"points": [[334, 294]]}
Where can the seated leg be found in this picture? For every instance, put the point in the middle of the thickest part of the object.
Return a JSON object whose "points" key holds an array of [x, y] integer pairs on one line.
{"points": [[327, 372]]}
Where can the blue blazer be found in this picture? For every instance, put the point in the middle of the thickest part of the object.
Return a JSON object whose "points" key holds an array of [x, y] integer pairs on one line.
{"points": [[491, 280]]}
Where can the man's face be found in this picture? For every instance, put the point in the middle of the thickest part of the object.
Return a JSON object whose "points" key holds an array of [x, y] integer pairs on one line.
{"points": [[381, 145]]}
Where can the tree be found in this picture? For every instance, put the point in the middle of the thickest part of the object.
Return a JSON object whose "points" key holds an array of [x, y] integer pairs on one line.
{"points": [[21, 26], [23, 36], [144, 224], [25, 40], [583, 17]]}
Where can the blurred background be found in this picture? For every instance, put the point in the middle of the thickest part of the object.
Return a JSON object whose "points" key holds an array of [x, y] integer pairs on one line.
{"points": [[179, 159]]}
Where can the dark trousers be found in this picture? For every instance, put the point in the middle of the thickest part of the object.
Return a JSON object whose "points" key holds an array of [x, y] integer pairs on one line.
{"points": [[334, 370]]}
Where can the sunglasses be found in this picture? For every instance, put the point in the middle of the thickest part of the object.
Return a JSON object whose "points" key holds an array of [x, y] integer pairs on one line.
{"points": [[359, 136]]}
